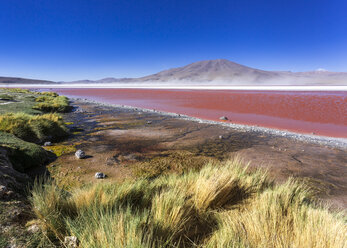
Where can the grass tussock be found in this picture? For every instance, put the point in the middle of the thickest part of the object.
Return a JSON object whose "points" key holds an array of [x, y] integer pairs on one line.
{"points": [[34, 128], [222, 205], [52, 102], [168, 162]]}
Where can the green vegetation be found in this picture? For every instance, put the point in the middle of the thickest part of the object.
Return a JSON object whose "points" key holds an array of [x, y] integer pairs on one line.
{"points": [[34, 128], [13, 102], [6, 97], [32, 102], [222, 205], [59, 150], [52, 103], [20, 124], [22, 154]]}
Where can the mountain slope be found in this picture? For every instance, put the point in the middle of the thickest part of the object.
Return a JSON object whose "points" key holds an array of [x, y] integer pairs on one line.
{"points": [[16, 80]]}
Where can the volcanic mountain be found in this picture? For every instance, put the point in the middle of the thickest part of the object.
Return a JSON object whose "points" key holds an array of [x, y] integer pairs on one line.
{"points": [[209, 71]]}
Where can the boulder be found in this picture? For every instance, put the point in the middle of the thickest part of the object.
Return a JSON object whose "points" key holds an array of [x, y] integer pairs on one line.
{"points": [[80, 154], [223, 118], [100, 175]]}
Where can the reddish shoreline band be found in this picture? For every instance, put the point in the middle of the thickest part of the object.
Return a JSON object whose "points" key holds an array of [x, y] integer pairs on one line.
{"points": [[321, 113]]}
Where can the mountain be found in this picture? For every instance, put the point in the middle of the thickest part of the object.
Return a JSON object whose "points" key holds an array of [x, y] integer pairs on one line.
{"points": [[221, 72], [15, 80], [209, 71]]}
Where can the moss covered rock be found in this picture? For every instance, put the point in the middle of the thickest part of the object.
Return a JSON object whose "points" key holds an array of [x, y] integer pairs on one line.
{"points": [[24, 155]]}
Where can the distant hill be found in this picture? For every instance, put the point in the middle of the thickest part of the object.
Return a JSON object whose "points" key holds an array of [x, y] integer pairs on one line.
{"points": [[15, 80], [219, 71]]}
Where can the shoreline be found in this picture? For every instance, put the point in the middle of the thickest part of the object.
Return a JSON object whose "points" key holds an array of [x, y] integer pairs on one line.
{"points": [[189, 87], [316, 139]]}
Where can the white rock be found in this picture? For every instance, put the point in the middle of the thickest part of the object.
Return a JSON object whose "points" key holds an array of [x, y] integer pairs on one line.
{"points": [[80, 154], [33, 228], [71, 241], [100, 175]]}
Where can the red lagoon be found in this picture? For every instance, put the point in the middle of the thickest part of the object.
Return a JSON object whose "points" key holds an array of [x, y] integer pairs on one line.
{"points": [[321, 113]]}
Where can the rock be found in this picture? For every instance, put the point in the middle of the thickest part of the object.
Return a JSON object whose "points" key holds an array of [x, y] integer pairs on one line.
{"points": [[33, 228], [3, 191], [48, 143], [100, 175], [71, 241], [80, 154], [149, 122], [223, 118]]}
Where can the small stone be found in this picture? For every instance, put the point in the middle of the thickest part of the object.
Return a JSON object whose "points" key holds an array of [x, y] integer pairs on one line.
{"points": [[223, 118], [48, 143], [33, 228], [71, 241], [100, 175], [80, 154]]}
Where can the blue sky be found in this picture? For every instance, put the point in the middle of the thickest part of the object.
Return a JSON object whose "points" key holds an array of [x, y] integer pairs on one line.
{"points": [[92, 39]]}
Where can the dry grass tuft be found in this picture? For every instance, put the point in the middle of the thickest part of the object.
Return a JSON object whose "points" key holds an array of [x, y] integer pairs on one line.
{"points": [[223, 205]]}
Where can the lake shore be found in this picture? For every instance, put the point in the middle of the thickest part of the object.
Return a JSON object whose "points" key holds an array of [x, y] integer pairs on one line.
{"points": [[321, 140]]}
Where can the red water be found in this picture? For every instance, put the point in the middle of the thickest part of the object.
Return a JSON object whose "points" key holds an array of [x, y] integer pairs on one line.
{"points": [[322, 113]]}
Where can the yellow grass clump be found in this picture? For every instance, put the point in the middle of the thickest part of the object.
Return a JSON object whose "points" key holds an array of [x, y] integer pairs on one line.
{"points": [[34, 128], [225, 204]]}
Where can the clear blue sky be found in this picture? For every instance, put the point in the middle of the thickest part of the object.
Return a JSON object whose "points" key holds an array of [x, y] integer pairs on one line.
{"points": [[80, 39]]}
